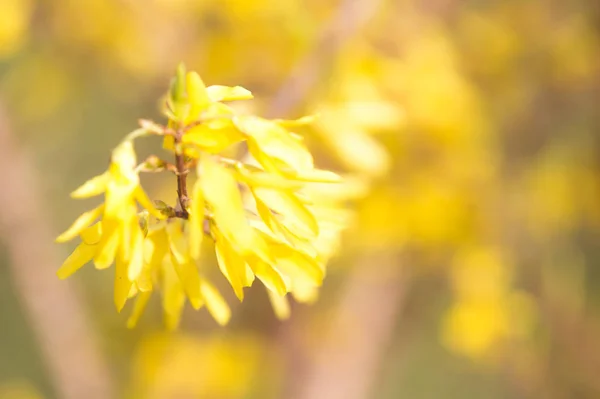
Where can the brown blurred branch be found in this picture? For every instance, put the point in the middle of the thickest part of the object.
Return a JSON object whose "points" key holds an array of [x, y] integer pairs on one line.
{"points": [[351, 17], [346, 363], [75, 363]]}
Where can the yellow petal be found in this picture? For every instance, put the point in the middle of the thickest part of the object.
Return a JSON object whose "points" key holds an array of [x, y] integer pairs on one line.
{"points": [[217, 111], [136, 263], [142, 198], [169, 143], [119, 201], [177, 243], [80, 256], [124, 158], [259, 178], [220, 190], [274, 142], [82, 222], [156, 246], [248, 277], [305, 120], [305, 293], [196, 221], [267, 275], [184, 266], [215, 303], [126, 226], [197, 95], [226, 93], [317, 176], [280, 305], [107, 247], [296, 265], [294, 215], [213, 136], [95, 186], [139, 305], [173, 296], [122, 283], [231, 264], [133, 290], [190, 279], [92, 234]]}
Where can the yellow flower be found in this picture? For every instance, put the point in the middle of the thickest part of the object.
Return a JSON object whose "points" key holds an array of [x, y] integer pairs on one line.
{"points": [[119, 235], [264, 220]]}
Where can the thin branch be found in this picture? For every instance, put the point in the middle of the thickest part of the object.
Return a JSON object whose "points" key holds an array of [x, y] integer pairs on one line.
{"points": [[53, 307], [351, 17], [182, 172]]}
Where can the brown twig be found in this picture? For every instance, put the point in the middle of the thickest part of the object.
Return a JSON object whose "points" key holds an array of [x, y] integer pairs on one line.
{"points": [[182, 172], [53, 307]]}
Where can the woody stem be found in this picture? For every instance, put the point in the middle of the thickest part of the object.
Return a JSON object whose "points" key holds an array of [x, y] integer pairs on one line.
{"points": [[182, 172]]}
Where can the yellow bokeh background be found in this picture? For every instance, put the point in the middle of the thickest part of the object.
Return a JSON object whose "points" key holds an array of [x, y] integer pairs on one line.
{"points": [[468, 135]]}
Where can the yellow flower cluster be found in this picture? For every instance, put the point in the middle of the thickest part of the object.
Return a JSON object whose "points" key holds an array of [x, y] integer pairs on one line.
{"points": [[266, 219]]}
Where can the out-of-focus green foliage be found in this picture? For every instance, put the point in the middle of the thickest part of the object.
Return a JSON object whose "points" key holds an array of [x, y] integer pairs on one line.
{"points": [[470, 130]]}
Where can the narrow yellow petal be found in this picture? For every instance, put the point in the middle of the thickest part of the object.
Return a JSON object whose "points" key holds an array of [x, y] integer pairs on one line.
{"points": [[92, 234], [213, 136], [248, 277], [123, 157], [255, 177], [190, 279], [293, 213], [226, 93], [139, 305], [95, 186], [81, 223], [305, 293], [156, 246], [196, 221], [173, 296], [107, 247], [177, 243], [82, 254], [296, 265], [317, 176], [215, 303], [136, 263], [280, 304], [133, 290], [144, 201], [275, 142], [231, 264], [169, 143], [127, 228], [305, 120], [184, 265], [197, 95], [220, 191], [267, 275], [122, 283]]}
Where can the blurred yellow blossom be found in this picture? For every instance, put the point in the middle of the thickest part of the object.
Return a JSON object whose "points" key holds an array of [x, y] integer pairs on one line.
{"points": [[170, 366], [487, 310], [14, 24]]}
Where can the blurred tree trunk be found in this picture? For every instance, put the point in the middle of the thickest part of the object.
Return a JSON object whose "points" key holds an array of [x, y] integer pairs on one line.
{"points": [[346, 364], [54, 309]]}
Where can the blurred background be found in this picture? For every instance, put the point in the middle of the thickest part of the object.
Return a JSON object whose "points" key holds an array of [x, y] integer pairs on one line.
{"points": [[469, 132]]}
